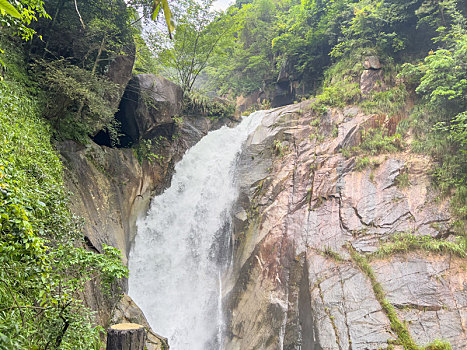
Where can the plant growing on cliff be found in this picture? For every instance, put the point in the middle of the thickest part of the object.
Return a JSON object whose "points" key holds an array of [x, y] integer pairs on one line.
{"points": [[440, 121], [279, 148], [145, 150], [199, 104], [82, 100], [406, 242], [373, 142], [399, 327]]}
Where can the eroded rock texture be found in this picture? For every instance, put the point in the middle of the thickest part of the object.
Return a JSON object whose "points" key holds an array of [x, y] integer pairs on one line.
{"points": [[303, 205]]}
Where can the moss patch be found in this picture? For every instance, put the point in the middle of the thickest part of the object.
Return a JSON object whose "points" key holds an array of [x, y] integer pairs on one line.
{"points": [[399, 327]]}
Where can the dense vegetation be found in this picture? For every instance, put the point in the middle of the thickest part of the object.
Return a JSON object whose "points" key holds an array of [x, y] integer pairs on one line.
{"points": [[44, 263], [54, 84], [50, 89]]}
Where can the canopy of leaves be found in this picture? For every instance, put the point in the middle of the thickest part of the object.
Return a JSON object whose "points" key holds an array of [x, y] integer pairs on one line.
{"points": [[303, 38]]}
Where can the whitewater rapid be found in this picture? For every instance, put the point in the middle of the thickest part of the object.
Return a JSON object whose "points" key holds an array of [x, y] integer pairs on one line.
{"points": [[182, 246]]}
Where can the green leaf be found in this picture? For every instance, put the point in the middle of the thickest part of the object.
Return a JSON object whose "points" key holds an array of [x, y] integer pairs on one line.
{"points": [[156, 8], [6, 7], [168, 17], [167, 14]]}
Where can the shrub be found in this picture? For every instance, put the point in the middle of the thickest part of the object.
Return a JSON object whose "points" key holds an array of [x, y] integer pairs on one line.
{"points": [[81, 103], [196, 103]]}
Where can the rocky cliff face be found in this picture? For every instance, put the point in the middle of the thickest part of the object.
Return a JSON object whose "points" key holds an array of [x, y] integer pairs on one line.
{"points": [[307, 225]]}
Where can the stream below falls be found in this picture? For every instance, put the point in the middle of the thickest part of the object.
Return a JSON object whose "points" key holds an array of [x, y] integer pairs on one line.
{"points": [[182, 247]]}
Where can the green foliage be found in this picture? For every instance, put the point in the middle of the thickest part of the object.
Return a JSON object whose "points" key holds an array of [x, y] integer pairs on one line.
{"points": [[145, 62], [318, 136], [279, 148], [374, 142], [406, 242], [244, 58], [369, 27], [298, 40], [197, 36], [440, 122], [389, 102], [445, 79], [362, 163], [199, 104], [338, 94], [43, 262], [328, 252], [146, 150], [157, 4], [20, 17], [79, 97], [439, 345], [82, 100], [402, 180], [9, 9]]}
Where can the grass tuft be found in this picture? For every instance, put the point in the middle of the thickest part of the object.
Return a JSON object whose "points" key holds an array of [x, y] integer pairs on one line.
{"points": [[406, 242]]}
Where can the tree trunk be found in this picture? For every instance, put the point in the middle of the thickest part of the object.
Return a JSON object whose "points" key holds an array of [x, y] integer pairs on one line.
{"points": [[126, 336]]}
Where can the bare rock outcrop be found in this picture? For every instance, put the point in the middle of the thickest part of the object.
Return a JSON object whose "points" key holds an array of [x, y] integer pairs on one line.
{"points": [[304, 208], [371, 78], [148, 107]]}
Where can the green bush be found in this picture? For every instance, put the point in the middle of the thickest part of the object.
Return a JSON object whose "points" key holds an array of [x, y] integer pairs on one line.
{"points": [[81, 103], [374, 142], [390, 102], [145, 150], [197, 103]]}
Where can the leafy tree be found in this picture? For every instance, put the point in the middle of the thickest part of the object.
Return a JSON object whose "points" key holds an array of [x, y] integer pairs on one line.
{"points": [[21, 15], [246, 59], [195, 39]]}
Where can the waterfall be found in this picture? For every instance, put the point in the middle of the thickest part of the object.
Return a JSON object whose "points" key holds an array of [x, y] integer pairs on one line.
{"points": [[182, 245]]}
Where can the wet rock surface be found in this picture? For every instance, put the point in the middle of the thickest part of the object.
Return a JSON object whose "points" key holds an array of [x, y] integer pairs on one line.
{"points": [[294, 284]]}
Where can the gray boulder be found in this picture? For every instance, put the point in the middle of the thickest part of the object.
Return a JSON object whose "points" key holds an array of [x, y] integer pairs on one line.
{"points": [[148, 107], [372, 77]]}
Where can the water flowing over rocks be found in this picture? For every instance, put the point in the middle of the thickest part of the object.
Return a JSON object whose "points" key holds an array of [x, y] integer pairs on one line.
{"points": [[112, 188], [302, 207], [182, 247]]}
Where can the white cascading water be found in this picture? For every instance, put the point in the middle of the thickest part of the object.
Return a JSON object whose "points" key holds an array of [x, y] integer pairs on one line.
{"points": [[182, 245]]}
